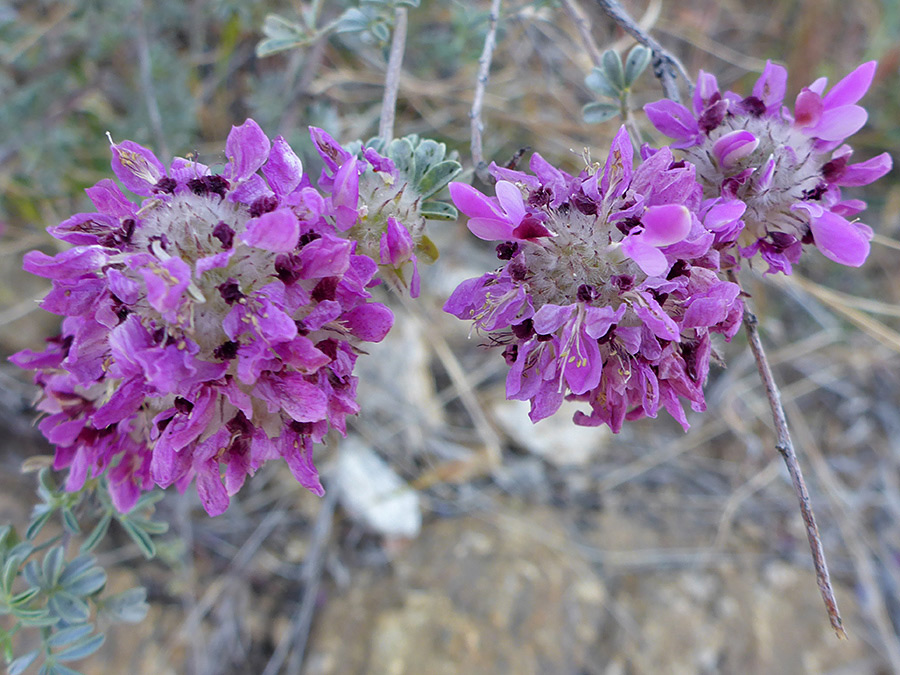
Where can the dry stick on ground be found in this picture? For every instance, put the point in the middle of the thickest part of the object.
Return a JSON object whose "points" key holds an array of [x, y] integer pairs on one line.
{"points": [[665, 66], [392, 77], [785, 447], [484, 69]]}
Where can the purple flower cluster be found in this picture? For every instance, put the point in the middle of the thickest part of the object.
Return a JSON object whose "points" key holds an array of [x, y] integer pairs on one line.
{"points": [[787, 167], [214, 325], [609, 288]]}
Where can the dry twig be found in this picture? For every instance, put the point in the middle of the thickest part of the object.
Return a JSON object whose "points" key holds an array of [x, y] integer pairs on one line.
{"points": [[484, 69], [785, 447], [665, 66], [392, 77]]}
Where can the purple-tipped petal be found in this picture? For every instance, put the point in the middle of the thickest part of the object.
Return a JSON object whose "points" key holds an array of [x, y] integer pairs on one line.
{"points": [[734, 146], [853, 87], [137, 167], [649, 258], [863, 173], [276, 231], [673, 120], [510, 198], [808, 109], [665, 225], [247, 148], [283, 170], [706, 88], [837, 124], [840, 240], [771, 86], [472, 203], [491, 229]]}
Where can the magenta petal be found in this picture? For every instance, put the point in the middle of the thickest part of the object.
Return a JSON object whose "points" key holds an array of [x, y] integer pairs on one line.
{"points": [[863, 173], [491, 229], [247, 148], [69, 264], [649, 258], [619, 164], [807, 108], [108, 198], [369, 322], [852, 88], [598, 320], [345, 194], [771, 86], [674, 120], [284, 170], [734, 146], [839, 123], [212, 493], [707, 86], [137, 167], [584, 365], [276, 231], [666, 224], [549, 318], [840, 240], [510, 198], [297, 453], [472, 203]]}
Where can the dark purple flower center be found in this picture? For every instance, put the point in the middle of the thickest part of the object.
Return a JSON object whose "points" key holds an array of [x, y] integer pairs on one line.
{"points": [[308, 237], [524, 330], [624, 282], [834, 169], [586, 293], [680, 267], [183, 406], [507, 249], [510, 354], [230, 291], [223, 232], [583, 203], [325, 289], [226, 351], [287, 267], [165, 185], [540, 197]]}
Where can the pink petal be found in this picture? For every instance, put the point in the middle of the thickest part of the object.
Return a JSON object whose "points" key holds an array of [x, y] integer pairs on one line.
{"points": [[284, 170], [491, 229], [247, 147], [771, 85], [863, 173], [472, 203], [839, 123], [674, 120], [807, 108], [510, 198], [584, 365], [840, 240], [707, 86], [734, 146], [649, 258], [852, 88], [276, 231], [666, 224], [137, 167], [549, 318]]}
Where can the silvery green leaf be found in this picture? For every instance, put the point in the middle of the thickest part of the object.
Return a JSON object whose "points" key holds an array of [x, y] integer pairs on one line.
{"points": [[381, 32], [21, 664], [279, 28], [128, 606], [69, 521], [612, 66], [69, 608], [408, 3], [53, 565], [69, 635], [439, 211], [437, 177], [151, 526], [146, 500], [81, 649], [637, 61], [35, 617], [39, 518], [4, 533], [400, 151], [97, 534], [594, 113], [33, 575], [376, 143], [88, 583], [75, 568], [428, 152], [60, 669], [597, 81], [141, 538], [268, 47], [351, 21], [10, 571], [45, 481], [24, 596]]}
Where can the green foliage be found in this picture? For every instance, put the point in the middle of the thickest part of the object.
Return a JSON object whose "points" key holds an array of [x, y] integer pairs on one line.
{"points": [[42, 588], [614, 80]]}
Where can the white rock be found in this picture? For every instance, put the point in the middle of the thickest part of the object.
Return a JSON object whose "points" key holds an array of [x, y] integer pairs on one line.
{"points": [[373, 494], [556, 439]]}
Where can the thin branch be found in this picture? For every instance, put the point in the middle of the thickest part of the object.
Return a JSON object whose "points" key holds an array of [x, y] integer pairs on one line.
{"points": [[583, 24], [392, 78], [785, 447], [665, 66], [484, 69]]}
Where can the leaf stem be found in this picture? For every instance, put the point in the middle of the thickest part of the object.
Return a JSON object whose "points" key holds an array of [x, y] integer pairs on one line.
{"points": [[392, 77]]}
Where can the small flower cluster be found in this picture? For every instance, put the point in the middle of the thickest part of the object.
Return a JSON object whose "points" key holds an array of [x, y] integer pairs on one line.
{"points": [[787, 167], [610, 284], [215, 324]]}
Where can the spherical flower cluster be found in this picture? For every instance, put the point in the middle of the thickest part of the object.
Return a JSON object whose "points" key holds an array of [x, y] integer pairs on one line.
{"points": [[208, 329], [787, 167], [609, 288]]}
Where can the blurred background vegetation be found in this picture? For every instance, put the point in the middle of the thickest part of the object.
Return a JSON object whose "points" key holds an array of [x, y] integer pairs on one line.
{"points": [[553, 551]]}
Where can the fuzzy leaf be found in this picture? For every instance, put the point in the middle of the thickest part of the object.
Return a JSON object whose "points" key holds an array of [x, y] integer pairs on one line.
{"points": [[69, 635], [279, 28], [141, 538], [351, 21], [598, 82], [439, 211], [21, 664], [612, 66], [35, 617], [38, 520], [637, 61], [33, 575], [69, 521], [97, 534], [266, 48], [69, 608], [76, 568], [437, 178], [88, 583], [81, 649], [594, 113], [128, 606], [427, 154], [53, 565], [24, 596], [400, 151]]}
